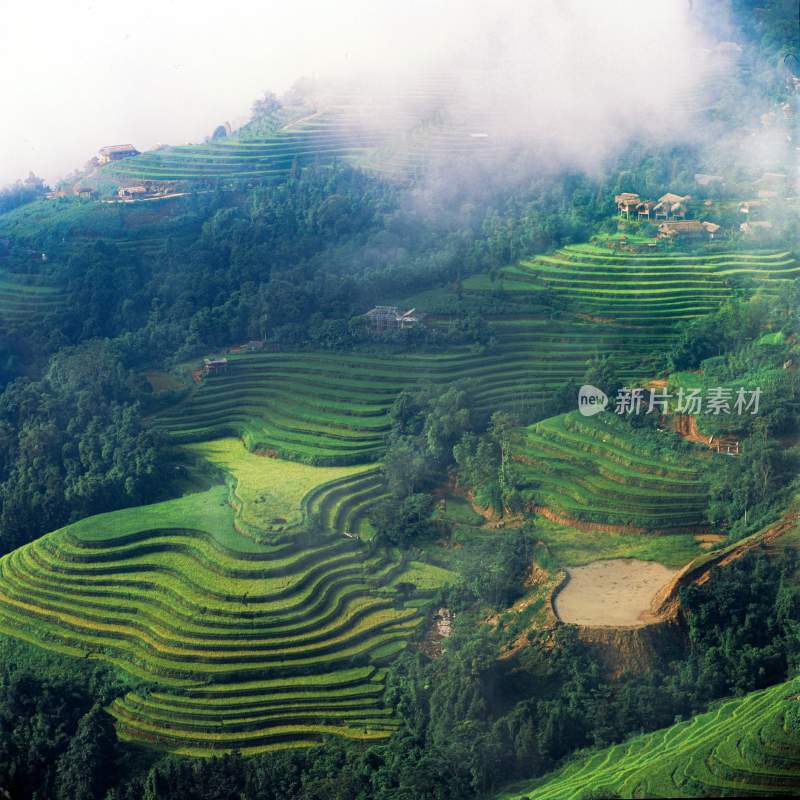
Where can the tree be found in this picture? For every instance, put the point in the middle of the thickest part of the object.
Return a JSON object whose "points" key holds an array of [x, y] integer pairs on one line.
{"points": [[265, 106], [494, 571], [403, 522], [85, 770], [602, 373], [744, 488]]}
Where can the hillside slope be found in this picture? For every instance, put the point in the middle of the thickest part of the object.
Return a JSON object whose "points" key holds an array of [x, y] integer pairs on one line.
{"points": [[749, 746]]}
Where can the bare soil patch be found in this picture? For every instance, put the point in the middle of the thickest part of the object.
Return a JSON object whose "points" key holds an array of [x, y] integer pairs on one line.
{"points": [[438, 631], [707, 540], [612, 592]]}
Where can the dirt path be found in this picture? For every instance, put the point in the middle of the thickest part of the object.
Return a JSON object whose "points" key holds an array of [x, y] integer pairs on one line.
{"points": [[686, 427], [616, 591]]}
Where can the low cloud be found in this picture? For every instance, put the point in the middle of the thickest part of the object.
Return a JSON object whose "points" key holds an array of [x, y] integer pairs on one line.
{"points": [[566, 82]]}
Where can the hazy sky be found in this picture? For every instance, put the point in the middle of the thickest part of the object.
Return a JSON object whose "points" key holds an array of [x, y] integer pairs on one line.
{"points": [[79, 74]]}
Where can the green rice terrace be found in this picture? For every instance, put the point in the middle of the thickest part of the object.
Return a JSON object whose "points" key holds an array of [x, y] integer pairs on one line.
{"points": [[320, 139], [747, 747], [25, 297], [328, 408], [238, 630], [651, 289], [593, 470]]}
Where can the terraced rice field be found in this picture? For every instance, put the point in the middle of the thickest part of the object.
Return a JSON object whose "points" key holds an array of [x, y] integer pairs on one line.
{"points": [[343, 505], [328, 408], [333, 409], [237, 644], [321, 138], [747, 747], [594, 470], [26, 297], [652, 289]]}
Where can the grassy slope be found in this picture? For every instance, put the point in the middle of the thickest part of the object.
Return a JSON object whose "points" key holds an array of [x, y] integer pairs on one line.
{"points": [[574, 548], [270, 491], [746, 746]]}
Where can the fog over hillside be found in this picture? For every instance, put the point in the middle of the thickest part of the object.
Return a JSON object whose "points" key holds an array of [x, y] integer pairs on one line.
{"points": [[573, 78]]}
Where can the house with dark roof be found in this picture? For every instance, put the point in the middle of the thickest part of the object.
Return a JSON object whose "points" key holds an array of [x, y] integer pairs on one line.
{"points": [[215, 366], [115, 152]]}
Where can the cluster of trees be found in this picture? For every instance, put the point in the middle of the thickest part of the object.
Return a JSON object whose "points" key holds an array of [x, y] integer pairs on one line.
{"points": [[56, 741], [425, 424], [483, 463], [73, 443], [749, 490], [727, 348], [22, 192], [734, 326]]}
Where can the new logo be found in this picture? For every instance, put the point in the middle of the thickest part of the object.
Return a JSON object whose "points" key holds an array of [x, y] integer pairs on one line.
{"points": [[591, 400]]}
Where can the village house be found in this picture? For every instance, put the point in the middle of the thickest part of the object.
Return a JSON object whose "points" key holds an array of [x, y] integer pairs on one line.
{"points": [[686, 229], [671, 206], [215, 366], [385, 318], [131, 191], [626, 202], [147, 190], [644, 209], [749, 206], [115, 152]]}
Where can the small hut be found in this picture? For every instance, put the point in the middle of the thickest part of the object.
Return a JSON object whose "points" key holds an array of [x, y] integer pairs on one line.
{"points": [[385, 318], [115, 152], [215, 366], [626, 202]]}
